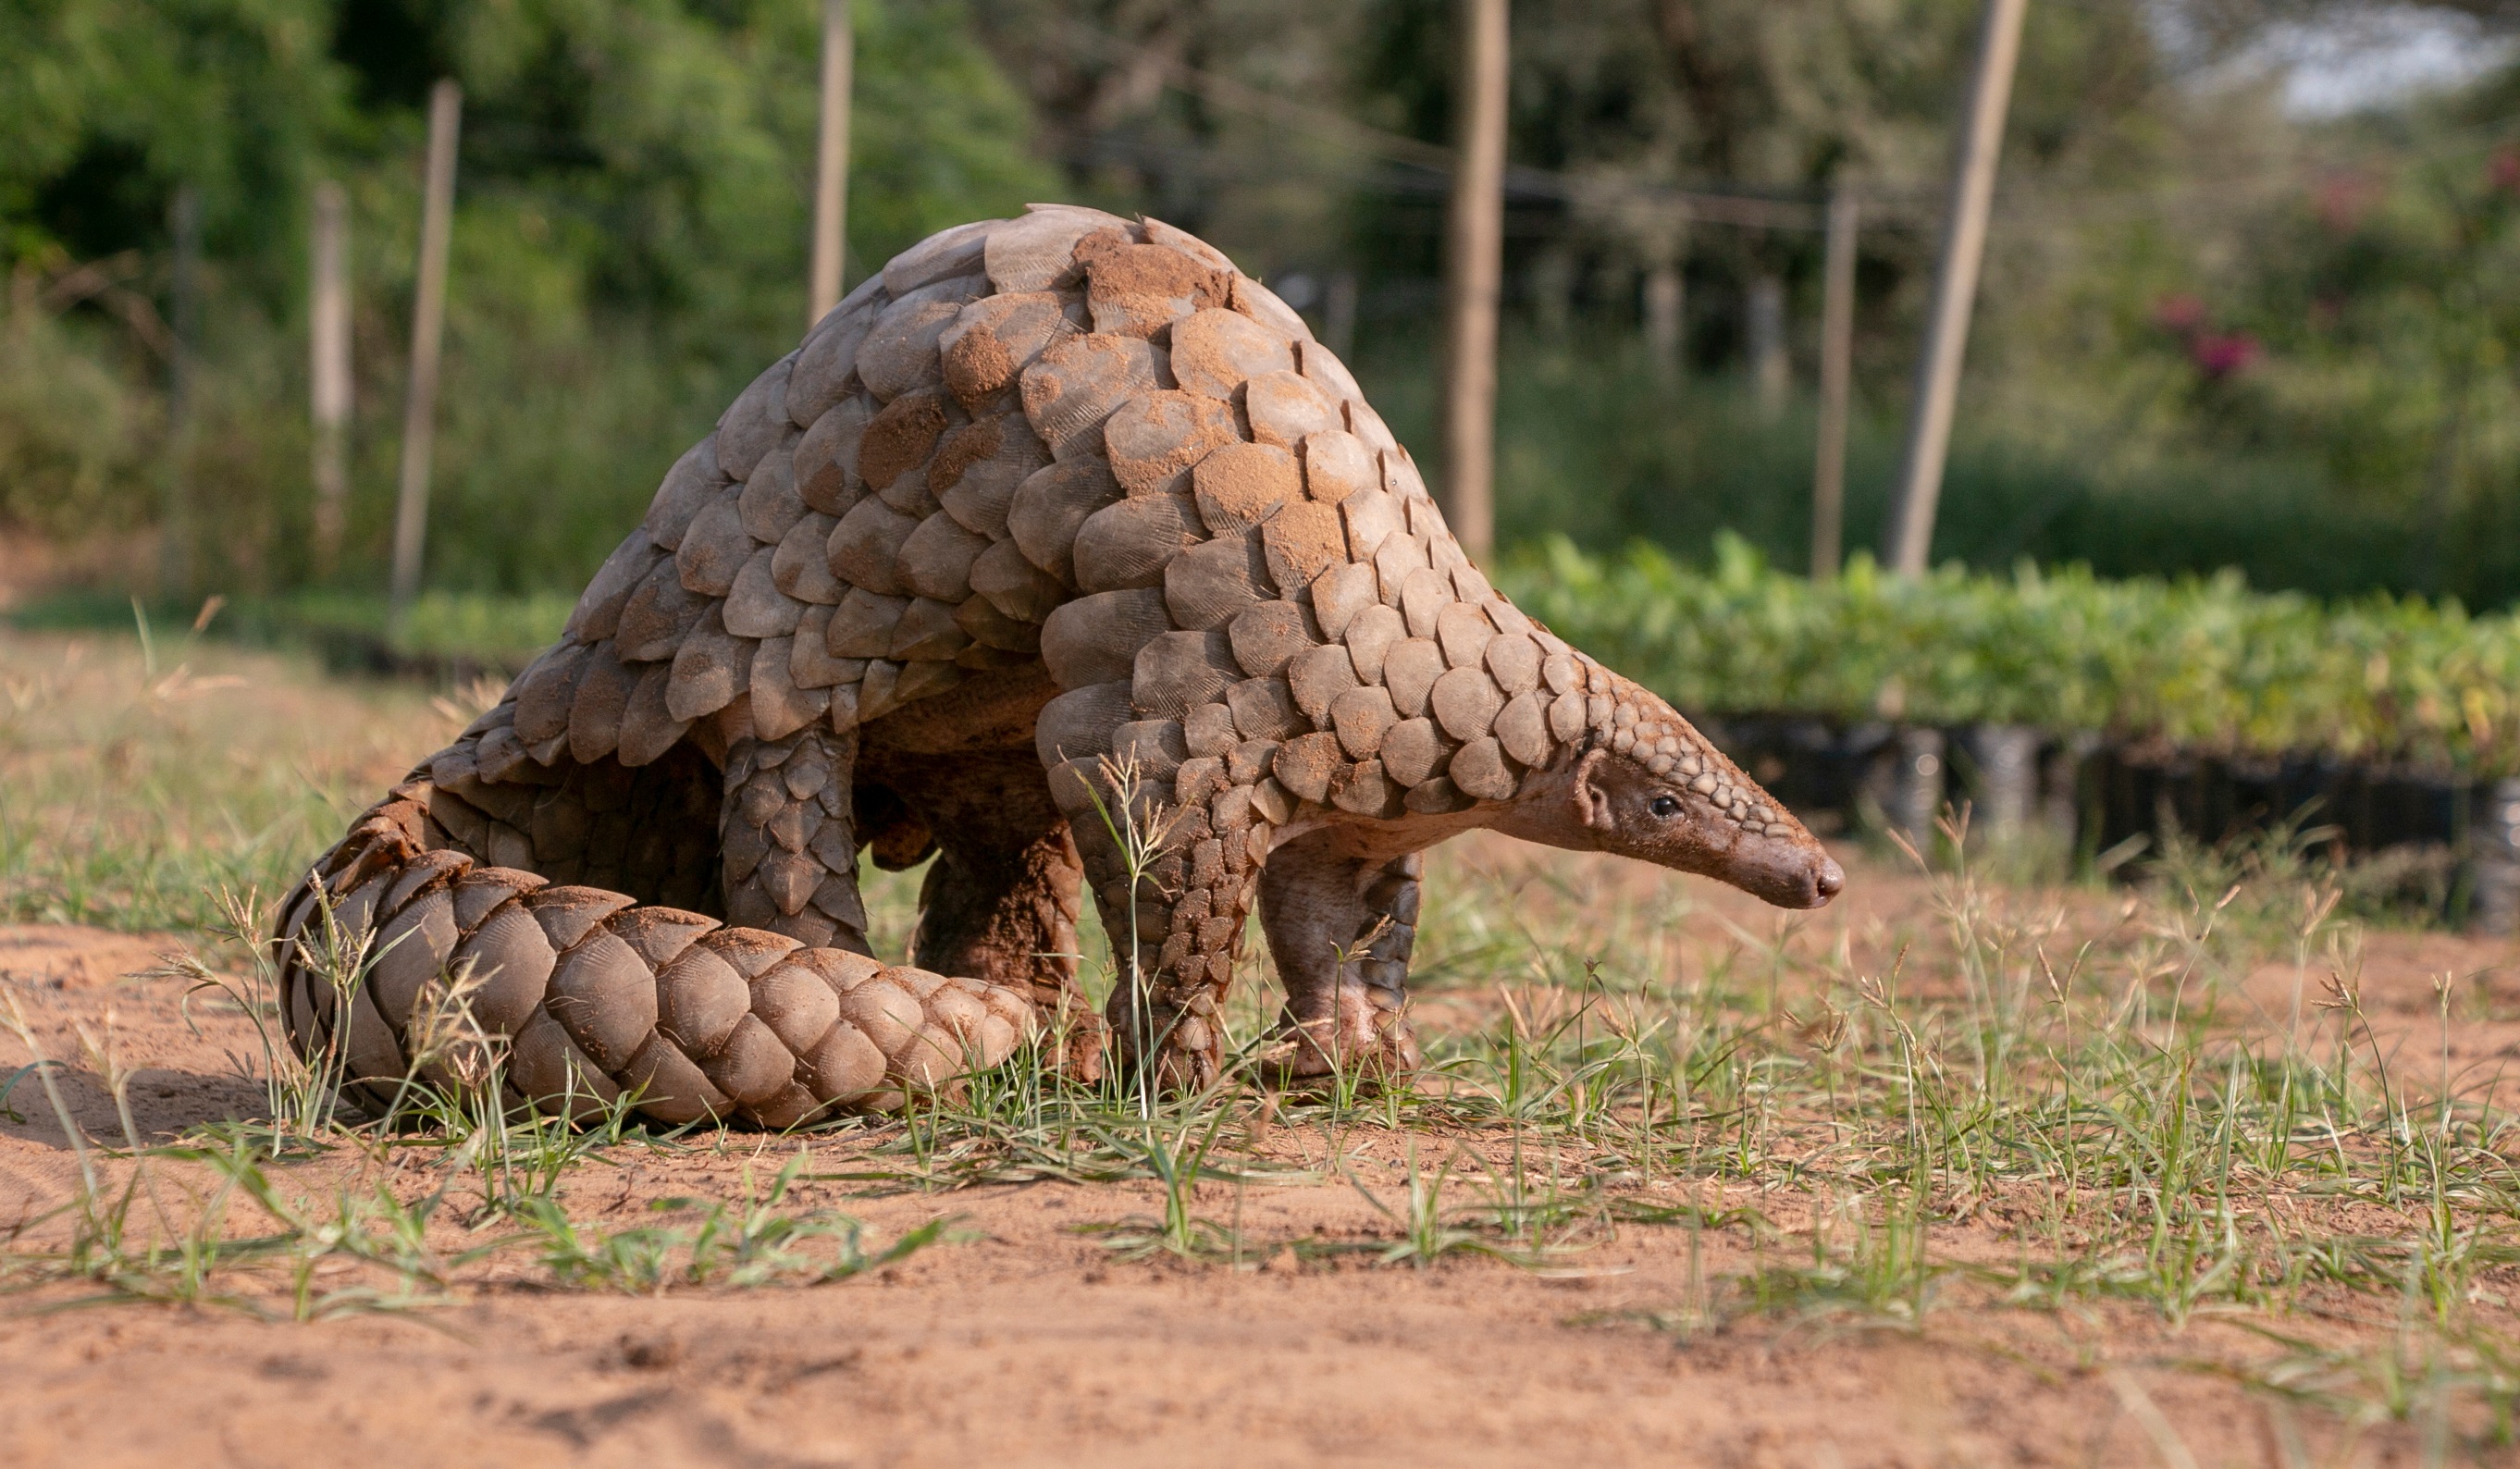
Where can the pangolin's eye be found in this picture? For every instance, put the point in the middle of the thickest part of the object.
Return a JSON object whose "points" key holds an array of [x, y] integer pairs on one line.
{"points": [[1664, 806]]}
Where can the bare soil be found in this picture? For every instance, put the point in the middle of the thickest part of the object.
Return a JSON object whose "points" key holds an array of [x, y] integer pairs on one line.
{"points": [[1033, 1342]]}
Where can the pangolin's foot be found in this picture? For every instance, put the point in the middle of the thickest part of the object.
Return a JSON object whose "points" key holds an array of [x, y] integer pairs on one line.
{"points": [[1180, 1051], [1075, 1043], [1367, 1037]]}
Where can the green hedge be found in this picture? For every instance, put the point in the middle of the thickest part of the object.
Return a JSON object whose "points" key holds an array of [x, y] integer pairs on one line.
{"points": [[2203, 663], [496, 630], [444, 627]]}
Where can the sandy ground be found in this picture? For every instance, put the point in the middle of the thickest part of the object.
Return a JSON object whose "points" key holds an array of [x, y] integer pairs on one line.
{"points": [[1031, 1342]]}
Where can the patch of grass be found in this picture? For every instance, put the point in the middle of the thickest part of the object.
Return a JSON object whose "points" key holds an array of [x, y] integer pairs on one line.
{"points": [[1426, 1232], [748, 1243], [347, 629], [154, 1224], [2105, 1085], [2195, 1099], [141, 778]]}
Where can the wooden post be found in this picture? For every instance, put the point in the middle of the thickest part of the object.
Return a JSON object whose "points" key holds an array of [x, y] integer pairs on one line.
{"points": [[1836, 369], [1772, 372], [1666, 312], [175, 545], [831, 162], [1338, 315], [1474, 277], [428, 328], [1907, 541], [329, 375]]}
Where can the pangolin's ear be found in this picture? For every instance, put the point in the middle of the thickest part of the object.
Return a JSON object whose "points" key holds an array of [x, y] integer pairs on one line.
{"points": [[1592, 802]]}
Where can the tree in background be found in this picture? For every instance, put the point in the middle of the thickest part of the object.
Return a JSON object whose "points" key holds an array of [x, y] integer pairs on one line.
{"points": [[630, 241], [2328, 413]]}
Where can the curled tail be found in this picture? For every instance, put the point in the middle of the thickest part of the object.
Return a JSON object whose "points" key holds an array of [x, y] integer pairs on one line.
{"points": [[402, 959]]}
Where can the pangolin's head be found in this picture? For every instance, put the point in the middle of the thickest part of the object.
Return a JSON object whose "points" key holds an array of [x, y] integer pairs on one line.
{"points": [[1644, 783]]}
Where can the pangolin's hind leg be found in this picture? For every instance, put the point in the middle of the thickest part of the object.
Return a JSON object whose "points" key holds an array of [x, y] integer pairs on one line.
{"points": [[648, 831], [1000, 903], [578, 994], [789, 840], [1341, 928]]}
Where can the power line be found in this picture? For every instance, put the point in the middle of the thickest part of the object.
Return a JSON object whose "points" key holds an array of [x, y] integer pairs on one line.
{"points": [[1780, 210], [1425, 167]]}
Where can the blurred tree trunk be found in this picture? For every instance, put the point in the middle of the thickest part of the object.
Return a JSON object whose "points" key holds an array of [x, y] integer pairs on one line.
{"points": [[1666, 314], [1473, 276], [1771, 369]]}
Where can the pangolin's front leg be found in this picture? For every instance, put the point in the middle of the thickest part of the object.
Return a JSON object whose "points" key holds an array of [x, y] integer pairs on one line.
{"points": [[1341, 928], [1195, 838]]}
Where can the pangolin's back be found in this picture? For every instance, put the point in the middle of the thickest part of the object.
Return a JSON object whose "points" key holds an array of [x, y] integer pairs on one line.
{"points": [[1092, 443]]}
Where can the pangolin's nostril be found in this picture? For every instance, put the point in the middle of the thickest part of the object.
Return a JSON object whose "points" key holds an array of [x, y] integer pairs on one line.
{"points": [[1829, 880]]}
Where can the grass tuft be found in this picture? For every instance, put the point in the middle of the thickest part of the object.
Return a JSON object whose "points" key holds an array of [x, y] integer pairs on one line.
{"points": [[2205, 1100]]}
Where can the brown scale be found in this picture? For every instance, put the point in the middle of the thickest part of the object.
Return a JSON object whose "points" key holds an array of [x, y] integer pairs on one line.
{"points": [[638, 831], [787, 838]]}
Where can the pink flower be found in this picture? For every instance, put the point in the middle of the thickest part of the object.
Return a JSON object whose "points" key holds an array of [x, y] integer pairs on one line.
{"points": [[2220, 355], [2503, 173], [2344, 199], [2178, 313]]}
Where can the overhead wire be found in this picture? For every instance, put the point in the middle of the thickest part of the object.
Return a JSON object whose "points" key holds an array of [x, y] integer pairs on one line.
{"points": [[1425, 166], [1797, 210]]}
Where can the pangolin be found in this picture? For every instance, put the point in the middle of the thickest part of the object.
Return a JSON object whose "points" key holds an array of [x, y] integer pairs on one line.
{"points": [[1058, 550]]}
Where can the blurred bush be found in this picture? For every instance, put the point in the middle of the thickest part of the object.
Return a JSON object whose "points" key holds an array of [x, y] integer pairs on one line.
{"points": [[1594, 445], [440, 627], [442, 633], [2199, 662], [75, 434], [629, 250], [2211, 334]]}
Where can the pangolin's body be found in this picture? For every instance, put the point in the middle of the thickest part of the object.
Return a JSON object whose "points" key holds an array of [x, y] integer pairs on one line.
{"points": [[1058, 530]]}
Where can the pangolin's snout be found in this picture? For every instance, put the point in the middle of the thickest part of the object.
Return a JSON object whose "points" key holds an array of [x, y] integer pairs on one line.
{"points": [[1788, 873]]}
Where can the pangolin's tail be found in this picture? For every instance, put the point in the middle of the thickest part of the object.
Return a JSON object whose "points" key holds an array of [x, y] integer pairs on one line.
{"points": [[400, 961]]}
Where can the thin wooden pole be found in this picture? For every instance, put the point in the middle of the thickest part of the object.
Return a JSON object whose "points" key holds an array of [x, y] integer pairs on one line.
{"points": [[1908, 539], [831, 162], [428, 329], [1473, 278], [1772, 369], [1666, 311], [1339, 314], [1836, 370], [328, 376], [175, 546]]}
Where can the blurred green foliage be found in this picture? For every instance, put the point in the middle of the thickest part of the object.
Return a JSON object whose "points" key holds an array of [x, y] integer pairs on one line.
{"points": [[442, 632], [630, 243], [447, 628], [75, 438], [2201, 663], [1594, 445], [2212, 336]]}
